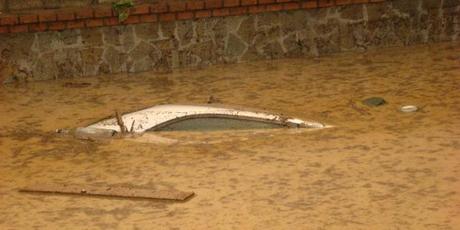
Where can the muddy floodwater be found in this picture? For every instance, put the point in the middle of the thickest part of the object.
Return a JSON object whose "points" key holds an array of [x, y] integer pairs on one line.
{"points": [[378, 168]]}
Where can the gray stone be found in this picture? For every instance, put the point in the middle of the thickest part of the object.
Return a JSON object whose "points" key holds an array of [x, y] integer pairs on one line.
{"points": [[3, 6], [17, 47], [273, 50], [450, 3], [69, 63], [144, 57], [235, 46], [431, 4], [121, 36], [45, 68], [352, 12], [91, 58], [408, 7], [167, 30], [267, 20], [207, 51], [375, 12], [185, 32], [247, 29], [70, 37], [47, 40], [147, 31], [92, 37], [117, 60], [374, 101]]}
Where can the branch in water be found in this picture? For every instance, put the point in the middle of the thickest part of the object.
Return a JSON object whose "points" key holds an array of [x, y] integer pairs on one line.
{"points": [[120, 123]]}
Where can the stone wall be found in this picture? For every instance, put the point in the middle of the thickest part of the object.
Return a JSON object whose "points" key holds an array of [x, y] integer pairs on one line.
{"points": [[3, 6], [163, 46]]}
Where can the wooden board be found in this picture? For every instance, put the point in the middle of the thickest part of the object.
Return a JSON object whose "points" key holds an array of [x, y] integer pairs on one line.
{"points": [[109, 191]]}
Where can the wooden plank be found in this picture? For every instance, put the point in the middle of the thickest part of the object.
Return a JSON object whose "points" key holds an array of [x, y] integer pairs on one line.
{"points": [[109, 191]]}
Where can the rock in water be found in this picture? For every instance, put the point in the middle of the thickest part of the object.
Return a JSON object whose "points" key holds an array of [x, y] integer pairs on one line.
{"points": [[374, 101]]}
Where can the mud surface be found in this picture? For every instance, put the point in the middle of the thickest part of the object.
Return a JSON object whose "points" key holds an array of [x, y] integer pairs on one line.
{"points": [[378, 168]]}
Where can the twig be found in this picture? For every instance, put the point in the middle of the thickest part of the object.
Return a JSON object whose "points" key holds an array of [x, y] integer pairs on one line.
{"points": [[132, 127], [356, 108], [120, 123]]}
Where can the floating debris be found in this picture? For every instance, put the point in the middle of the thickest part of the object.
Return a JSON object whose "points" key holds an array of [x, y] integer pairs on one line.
{"points": [[409, 108], [76, 85], [109, 191]]}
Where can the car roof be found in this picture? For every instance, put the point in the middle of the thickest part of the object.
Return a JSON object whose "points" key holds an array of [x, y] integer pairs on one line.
{"points": [[149, 118]]}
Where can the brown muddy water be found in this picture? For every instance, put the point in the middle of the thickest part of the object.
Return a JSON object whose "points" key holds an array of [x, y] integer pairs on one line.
{"points": [[378, 168]]}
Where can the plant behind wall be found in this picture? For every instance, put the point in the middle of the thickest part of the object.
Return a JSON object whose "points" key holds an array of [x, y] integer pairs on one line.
{"points": [[122, 8]]}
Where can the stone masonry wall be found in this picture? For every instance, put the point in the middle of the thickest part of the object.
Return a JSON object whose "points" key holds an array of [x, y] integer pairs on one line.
{"points": [[166, 45]]}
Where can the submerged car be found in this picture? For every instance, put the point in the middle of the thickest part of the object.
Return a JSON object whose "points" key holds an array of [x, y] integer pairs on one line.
{"points": [[198, 118]]}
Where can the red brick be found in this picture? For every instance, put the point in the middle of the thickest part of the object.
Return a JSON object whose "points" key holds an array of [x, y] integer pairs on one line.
{"points": [[177, 6], [274, 7], [65, 15], [281, 1], [238, 10], [310, 4], [231, 3], [159, 8], [291, 6], [9, 20], [132, 19], [56, 25], [343, 2], [203, 14], [360, 1], [29, 18], [47, 16], [84, 13], [195, 5], [185, 15], [3, 29], [19, 28], [38, 27], [148, 18], [167, 17], [325, 3], [248, 2], [220, 12], [141, 9], [77, 24], [111, 21], [267, 1], [94, 22], [257, 9], [102, 12], [210, 4]]}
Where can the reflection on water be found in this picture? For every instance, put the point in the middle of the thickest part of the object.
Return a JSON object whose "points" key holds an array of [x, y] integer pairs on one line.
{"points": [[378, 168]]}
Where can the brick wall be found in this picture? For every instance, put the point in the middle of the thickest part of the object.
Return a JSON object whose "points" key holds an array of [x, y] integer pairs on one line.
{"points": [[164, 35], [22, 5], [90, 16]]}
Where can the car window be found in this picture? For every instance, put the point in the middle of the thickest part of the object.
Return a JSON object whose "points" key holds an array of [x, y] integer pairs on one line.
{"points": [[216, 123]]}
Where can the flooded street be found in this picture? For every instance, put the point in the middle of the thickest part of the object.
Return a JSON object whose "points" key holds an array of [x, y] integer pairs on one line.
{"points": [[378, 168]]}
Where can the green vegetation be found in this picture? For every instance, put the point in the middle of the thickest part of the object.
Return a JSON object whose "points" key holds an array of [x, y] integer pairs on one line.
{"points": [[122, 8]]}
